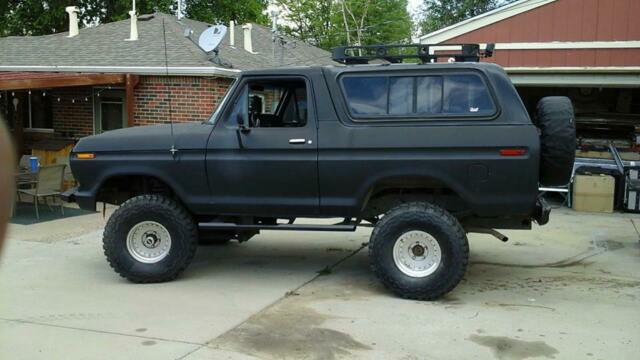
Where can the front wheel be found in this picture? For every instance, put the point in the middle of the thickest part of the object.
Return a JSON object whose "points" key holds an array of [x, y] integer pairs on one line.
{"points": [[150, 238], [419, 251]]}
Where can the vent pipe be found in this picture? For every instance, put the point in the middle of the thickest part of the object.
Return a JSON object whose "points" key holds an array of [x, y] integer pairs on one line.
{"points": [[73, 20], [232, 33], [248, 44], [133, 35]]}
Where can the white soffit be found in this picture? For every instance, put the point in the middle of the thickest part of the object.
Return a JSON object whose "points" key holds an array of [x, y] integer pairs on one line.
{"points": [[621, 76], [482, 20], [553, 45]]}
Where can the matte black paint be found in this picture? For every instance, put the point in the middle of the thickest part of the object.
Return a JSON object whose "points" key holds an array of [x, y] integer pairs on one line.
{"points": [[220, 171]]}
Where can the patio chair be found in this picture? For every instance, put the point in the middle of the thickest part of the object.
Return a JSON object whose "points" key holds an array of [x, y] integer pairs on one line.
{"points": [[48, 184], [68, 175]]}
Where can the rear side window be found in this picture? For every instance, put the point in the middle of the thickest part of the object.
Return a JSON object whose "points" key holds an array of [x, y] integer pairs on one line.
{"points": [[367, 95], [434, 95]]}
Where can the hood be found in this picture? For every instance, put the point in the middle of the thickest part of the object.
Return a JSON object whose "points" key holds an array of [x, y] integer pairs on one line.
{"points": [[148, 138]]}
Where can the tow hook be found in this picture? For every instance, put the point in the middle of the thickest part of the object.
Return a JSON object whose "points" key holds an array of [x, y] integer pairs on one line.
{"points": [[498, 235]]}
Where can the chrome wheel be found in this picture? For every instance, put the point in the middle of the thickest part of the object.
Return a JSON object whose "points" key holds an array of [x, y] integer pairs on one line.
{"points": [[148, 242], [417, 253]]}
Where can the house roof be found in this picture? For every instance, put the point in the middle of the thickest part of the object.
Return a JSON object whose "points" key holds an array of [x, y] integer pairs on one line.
{"points": [[103, 49], [482, 20]]}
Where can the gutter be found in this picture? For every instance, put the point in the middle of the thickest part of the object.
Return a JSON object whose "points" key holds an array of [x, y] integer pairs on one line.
{"points": [[634, 70], [138, 70]]}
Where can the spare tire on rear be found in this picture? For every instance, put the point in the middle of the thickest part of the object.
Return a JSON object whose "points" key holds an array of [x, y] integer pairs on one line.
{"points": [[555, 119]]}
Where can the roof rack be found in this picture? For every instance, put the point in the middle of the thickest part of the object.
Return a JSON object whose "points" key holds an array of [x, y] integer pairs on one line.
{"points": [[352, 55]]}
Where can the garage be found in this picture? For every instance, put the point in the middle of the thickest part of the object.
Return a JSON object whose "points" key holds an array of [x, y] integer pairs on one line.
{"points": [[588, 51]]}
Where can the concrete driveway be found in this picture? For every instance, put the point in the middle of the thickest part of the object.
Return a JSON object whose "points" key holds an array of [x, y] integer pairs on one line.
{"points": [[569, 290]]}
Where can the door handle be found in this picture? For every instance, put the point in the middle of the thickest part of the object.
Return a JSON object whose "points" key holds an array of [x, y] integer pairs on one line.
{"points": [[297, 141]]}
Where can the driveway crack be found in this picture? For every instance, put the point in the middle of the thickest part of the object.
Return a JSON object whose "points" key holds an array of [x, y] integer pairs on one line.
{"points": [[323, 272]]}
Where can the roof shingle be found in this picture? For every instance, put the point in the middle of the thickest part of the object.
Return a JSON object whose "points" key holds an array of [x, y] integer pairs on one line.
{"points": [[104, 46]]}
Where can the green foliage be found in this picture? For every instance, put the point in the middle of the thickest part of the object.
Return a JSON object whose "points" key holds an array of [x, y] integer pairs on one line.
{"points": [[310, 20], [31, 17], [222, 11], [329, 23], [437, 14]]}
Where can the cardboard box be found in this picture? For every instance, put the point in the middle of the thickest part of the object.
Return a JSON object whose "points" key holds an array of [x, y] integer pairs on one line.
{"points": [[593, 193]]}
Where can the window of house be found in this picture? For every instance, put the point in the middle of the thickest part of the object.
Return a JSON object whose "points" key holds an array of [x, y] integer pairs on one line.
{"points": [[34, 108], [109, 110], [273, 103], [449, 94]]}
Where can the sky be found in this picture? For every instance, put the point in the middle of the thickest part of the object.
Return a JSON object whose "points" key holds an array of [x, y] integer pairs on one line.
{"points": [[413, 6]]}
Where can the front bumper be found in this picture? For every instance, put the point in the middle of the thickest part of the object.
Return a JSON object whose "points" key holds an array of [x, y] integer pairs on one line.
{"points": [[86, 201]]}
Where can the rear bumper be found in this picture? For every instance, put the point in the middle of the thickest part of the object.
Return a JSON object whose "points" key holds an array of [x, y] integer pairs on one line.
{"points": [[85, 200]]}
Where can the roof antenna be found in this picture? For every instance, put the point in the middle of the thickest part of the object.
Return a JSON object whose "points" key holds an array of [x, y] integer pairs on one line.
{"points": [[173, 149], [274, 11]]}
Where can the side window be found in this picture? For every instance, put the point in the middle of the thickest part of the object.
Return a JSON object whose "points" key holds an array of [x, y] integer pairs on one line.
{"points": [[455, 94], [466, 94], [400, 95], [279, 103], [366, 95], [429, 95]]}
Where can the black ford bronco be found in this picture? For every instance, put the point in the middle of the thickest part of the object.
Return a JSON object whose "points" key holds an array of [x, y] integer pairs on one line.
{"points": [[424, 153]]}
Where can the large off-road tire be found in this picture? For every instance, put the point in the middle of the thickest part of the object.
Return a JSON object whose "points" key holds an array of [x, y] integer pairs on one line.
{"points": [[555, 119], [150, 238], [419, 251]]}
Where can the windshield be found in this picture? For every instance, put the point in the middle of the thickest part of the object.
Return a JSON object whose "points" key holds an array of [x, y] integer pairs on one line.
{"points": [[216, 114]]}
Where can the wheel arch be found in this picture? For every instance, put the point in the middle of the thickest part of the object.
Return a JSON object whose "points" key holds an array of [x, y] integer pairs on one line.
{"points": [[411, 187], [119, 186]]}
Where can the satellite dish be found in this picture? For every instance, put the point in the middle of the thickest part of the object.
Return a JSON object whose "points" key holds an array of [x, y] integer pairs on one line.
{"points": [[211, 38]]}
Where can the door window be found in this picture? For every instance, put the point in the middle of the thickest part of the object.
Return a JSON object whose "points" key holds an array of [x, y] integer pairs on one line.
{"points": [[281, 103]]}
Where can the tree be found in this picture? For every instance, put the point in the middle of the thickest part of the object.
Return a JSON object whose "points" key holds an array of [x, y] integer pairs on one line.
{"points": [[437, 14], [329, 23], [215, 11], [309, 20], [31, 17]]}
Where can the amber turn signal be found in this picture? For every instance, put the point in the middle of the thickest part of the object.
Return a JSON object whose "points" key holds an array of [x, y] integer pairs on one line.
{"points": [[85, 156]]}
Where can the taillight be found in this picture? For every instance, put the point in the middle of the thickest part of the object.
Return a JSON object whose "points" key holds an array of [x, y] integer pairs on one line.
{"points": [[513, 152]]}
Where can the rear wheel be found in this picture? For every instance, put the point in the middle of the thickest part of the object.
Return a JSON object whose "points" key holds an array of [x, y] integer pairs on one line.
{"points": [[150, 238], [419, 251]]}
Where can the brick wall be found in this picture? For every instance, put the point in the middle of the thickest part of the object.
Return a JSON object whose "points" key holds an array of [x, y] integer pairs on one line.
{"points": [[73, 119], [192, 98]]}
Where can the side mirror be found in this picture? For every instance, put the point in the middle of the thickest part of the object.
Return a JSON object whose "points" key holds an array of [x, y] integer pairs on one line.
{"points": [[243, 123]]}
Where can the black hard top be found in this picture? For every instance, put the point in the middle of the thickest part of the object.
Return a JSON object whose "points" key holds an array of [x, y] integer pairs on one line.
{"points": [[339, 69]]}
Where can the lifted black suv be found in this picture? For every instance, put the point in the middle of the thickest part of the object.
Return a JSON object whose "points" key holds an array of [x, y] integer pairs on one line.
{"points": [[425, 153]]}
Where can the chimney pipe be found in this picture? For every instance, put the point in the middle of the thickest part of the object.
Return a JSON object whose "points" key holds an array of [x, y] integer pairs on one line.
{"points": [[73, 20], [133, 36], [232, 33], [248, 44]]}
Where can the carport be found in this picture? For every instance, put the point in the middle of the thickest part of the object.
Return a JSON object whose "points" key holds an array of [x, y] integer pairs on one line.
{"points": [[30, 98]]}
